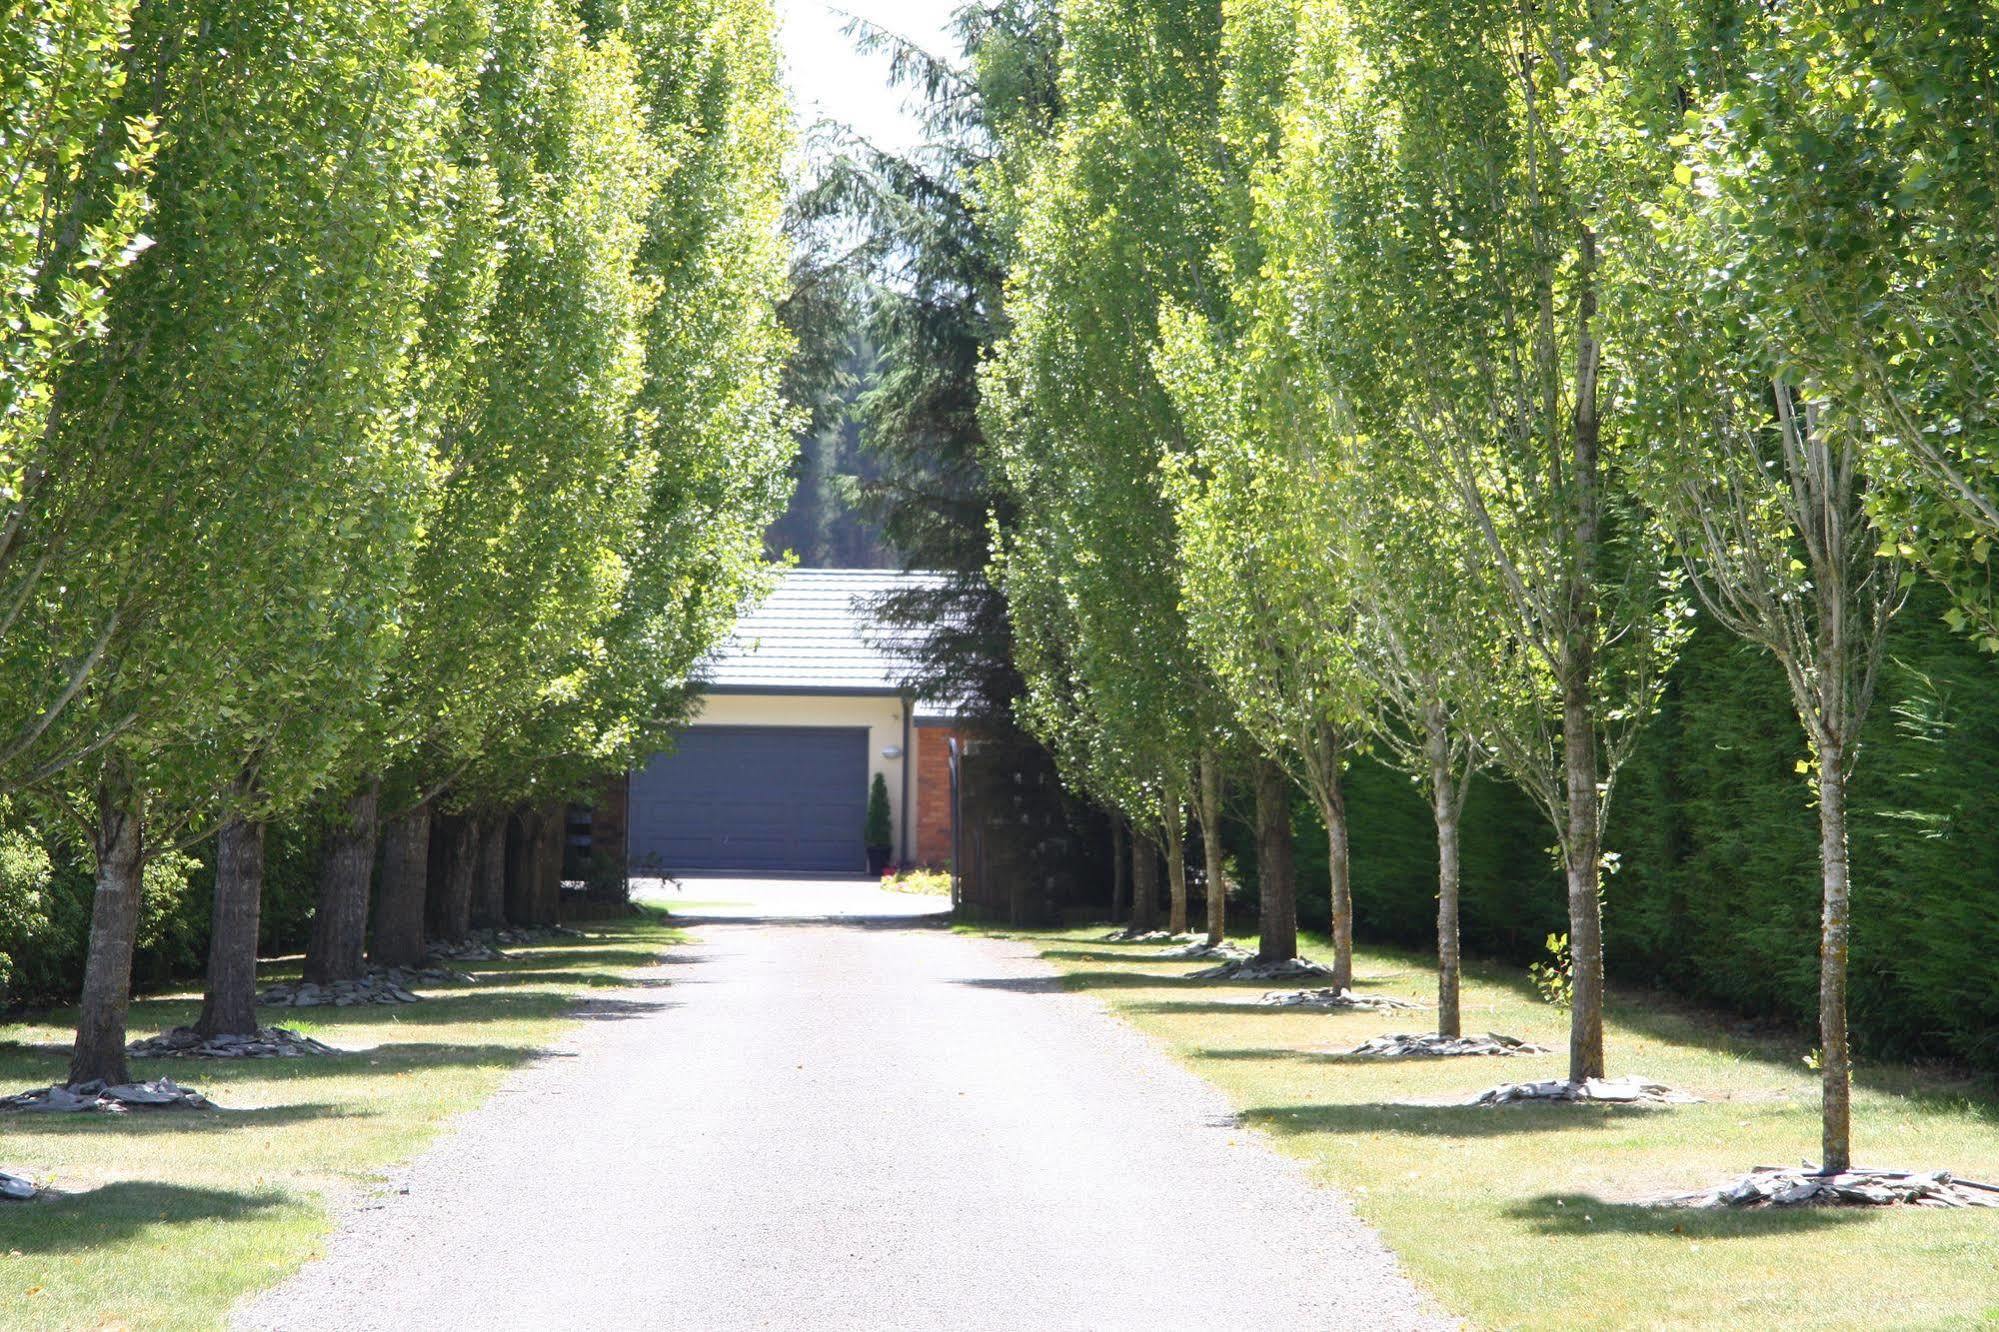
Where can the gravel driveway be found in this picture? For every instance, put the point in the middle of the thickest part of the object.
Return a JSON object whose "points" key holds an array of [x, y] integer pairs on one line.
{"points": [[840, 1115]]}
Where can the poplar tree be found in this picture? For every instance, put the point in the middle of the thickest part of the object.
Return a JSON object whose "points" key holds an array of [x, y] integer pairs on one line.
{"points": [[1763, 409], [1486, 203], [75, 144], [1848, 166], [519, 566], [1119, 214], [237, 417]]}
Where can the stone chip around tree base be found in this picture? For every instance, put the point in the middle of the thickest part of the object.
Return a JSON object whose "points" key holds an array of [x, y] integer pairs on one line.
{"points": [[1857, 1186], [1250, 968], [1203, 950], [379, 986], [1331, 1000], [1150, 936], [1594, 1091], [160, 1094], [1429, 1045], [268, 1043]]}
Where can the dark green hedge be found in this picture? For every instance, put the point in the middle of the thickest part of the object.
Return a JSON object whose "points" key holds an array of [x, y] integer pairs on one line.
{"points": [[45, 900], [1717, 893]]}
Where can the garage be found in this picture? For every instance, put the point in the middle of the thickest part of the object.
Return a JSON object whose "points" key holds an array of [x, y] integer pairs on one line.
{"points": [[782, 799]]}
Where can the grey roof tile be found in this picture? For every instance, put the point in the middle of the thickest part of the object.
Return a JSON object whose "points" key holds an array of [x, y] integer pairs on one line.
{"points": [[815, 634]]}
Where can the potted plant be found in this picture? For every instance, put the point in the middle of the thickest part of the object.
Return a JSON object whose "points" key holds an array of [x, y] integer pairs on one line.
{"points": [[880, 832]]}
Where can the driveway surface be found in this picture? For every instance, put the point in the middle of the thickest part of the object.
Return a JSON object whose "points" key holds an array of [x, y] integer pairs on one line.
{"points": [[836, 1114]]}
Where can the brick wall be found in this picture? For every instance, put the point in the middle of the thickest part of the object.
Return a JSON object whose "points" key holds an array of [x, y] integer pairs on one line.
{"points": [[933, 795]]}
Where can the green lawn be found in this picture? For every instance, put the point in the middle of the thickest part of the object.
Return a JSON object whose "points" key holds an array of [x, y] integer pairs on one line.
{"points": [[1524, 1217], [164, 1220]]}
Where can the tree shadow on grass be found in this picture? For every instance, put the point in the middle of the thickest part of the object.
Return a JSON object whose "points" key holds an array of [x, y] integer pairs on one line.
{"points": [[139, 1123], [1576, 1214], [1218, 1007], [395, 1057], [500, 980], [468, 1003], [611, 1009], [1070, 982], [566, 959], [1111, 955], [1273, 1054], [66, 1222], [1442, 1121]]}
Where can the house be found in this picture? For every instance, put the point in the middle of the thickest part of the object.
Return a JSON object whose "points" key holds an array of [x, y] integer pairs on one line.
{"points": [[801, 708]]}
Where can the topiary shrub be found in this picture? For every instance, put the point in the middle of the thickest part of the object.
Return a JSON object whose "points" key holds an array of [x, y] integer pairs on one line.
{"points": [[880, 829]]}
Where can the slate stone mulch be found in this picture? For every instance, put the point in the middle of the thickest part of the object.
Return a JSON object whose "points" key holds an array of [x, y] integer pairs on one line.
{"points": [[1429, 1045], [1604, 1091], [159, 1094], [1801, 1186], [1201, 949], [268, 1043], [1250, 968], [1330, 999]]}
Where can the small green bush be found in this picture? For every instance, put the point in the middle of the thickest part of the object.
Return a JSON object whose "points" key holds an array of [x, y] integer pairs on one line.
{"points": [[880, 830]]}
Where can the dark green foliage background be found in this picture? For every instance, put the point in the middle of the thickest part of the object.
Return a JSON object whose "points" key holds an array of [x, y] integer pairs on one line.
{"points": [[1716, 894], [47, 962]]}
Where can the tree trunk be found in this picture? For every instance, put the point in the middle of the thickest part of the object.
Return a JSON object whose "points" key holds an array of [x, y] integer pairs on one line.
{"points": [[1835, 1060], [1277, 885], [548, 863], [522, 834], [1120, 855], [1583, 856], [1339, 876], [489, 887], [453, 863], [1444, 808], [229, 1001], [117, 844], [1211, 847], [1579, 745], [1176, 867], [1144, 882], [398, 940], [347, 865]]}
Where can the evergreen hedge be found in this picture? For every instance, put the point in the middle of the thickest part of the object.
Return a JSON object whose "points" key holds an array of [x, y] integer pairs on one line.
{"points": [[1716, 891]]}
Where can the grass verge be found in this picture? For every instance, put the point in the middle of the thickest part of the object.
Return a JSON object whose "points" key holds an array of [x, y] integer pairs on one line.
{"points": [[1522, 1216], [165, 1220]]}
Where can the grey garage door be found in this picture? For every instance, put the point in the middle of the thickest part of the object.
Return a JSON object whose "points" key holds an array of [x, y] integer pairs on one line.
{"points": [[781, 798]]}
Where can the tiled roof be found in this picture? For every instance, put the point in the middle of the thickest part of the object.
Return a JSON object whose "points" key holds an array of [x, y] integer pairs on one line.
{"points": [[814, 634]]}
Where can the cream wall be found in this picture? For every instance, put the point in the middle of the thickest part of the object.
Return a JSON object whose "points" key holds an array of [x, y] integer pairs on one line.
{"points": [[881, 714]]}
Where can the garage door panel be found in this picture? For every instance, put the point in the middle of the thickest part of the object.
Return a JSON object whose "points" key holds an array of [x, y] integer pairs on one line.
{"points": [[790, 798]]}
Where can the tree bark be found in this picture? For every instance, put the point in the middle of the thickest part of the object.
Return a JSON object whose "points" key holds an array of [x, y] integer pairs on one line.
{"points": [[1444, 808], [398, 940], [1339, 876], [1211, 847], [118, 846], [229, 1001], [489, 887], [1578, 660], [1276, 882], [554, 834], [347, 865], [522, 834], [454, 862], [1835, 1059], [1176, 867], [1144, 882], [1120, 855], [1582, 857]]}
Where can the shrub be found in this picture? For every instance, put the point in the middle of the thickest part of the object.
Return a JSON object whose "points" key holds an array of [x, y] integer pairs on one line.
{"points": [[880, 830]]}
